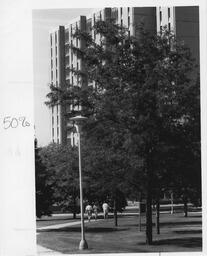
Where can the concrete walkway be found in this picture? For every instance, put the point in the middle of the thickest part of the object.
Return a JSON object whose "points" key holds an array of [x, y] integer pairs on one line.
{"points": [[57, 226], [45, 251]]}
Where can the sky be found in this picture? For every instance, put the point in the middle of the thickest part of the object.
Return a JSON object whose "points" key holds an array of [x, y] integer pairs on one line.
{"points": [[43, 22]]}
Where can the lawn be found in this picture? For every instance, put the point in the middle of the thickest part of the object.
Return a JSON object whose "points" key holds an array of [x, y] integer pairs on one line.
{"points": [[178, 234]]}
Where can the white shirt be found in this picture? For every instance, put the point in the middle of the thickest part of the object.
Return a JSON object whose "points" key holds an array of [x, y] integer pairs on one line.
{"points": [[105, 206], [89, 208]]}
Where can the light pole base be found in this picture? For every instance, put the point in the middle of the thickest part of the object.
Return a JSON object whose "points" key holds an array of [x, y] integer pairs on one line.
{"points": [[83, 245]]}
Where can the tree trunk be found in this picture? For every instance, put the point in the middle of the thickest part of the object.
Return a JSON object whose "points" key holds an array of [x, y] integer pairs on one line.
{"points": [[149, 199], [115, 213], [149, 218], [74, 207], [158, 216], [171, 199], [140, 213], [185, 207]]}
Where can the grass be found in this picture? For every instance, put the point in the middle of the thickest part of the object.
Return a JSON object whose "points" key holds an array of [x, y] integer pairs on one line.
{"points": [[177, 234]]}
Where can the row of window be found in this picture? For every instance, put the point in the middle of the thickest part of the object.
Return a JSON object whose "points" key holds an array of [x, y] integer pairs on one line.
{"points": [[168, 21], [56, 62], [56, 75], [121, 11], [56, 52], [169, 14], [53, 129], [51, 39]]}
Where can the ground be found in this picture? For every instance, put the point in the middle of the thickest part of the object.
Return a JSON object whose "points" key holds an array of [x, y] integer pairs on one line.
{"points": [[177, 234]]}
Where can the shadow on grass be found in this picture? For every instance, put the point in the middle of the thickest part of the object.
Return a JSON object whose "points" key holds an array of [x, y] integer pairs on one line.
{"points": [[180, 223], [188, 231], [190, 242], [87, 229], [197, 216]]}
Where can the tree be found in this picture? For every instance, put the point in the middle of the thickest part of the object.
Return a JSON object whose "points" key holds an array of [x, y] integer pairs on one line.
{"points": [[61, 162], [44, 189], [104, 170], [141, 94]]}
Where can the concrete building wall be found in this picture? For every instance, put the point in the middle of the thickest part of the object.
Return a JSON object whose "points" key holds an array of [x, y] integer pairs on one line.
{"points": [[187, 27], [145, 16]]}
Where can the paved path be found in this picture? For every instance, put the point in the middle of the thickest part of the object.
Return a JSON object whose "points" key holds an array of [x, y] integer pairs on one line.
{"points": [[57, 226], [43, 251]]}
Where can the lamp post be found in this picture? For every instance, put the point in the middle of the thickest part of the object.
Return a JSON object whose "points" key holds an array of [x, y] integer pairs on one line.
{"points": [[77, 120]]}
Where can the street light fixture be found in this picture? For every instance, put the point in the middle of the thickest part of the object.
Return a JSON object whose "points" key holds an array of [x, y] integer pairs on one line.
{"points": [[77, 123]]}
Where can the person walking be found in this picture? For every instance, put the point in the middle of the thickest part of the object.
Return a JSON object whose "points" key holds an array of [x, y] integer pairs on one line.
{"points": [[89, 211], [95, 211], [105, 207]]}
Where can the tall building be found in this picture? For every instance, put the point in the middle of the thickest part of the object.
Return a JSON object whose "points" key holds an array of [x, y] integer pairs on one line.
{"points": [[184, 21]]}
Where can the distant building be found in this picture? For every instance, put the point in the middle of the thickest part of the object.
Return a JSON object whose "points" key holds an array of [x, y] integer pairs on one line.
{"points": [[184, 21]]}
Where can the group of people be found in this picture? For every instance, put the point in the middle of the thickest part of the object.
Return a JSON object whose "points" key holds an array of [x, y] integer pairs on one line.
{"points": [[90, 210]]}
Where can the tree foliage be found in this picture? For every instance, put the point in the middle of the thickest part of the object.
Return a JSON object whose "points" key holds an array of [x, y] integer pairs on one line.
{"points": [[44, 189], [142, 104]]}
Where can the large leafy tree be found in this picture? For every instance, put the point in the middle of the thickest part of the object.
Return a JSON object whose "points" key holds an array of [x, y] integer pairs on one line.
{"points": [[44, 189], [142, 94], [61, 163]]}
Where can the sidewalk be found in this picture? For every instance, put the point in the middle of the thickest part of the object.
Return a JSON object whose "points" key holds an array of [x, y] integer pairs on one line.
{"points": [[57, 226], [43, 251]]}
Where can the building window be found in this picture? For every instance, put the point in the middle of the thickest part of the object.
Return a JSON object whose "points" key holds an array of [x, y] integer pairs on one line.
{"points": [[51, 75], [51, 40], [169, 26], [52, 120], [121, 11], [56, 74], [51, 52], [128, 21], [68, 81], [56, 61], [57, 108], [58, 140], [100, 16], [55, 37], [121, 23], [53, 132], [56, 50], [66, 35], [57, 119], [77, 66], [128, 9], [161, 29], [160, 16], [168, 12], [51, 63], [58, 131]]}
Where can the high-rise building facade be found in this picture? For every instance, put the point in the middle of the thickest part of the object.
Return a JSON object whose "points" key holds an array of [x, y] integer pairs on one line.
{"points": [[184, 21]]}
